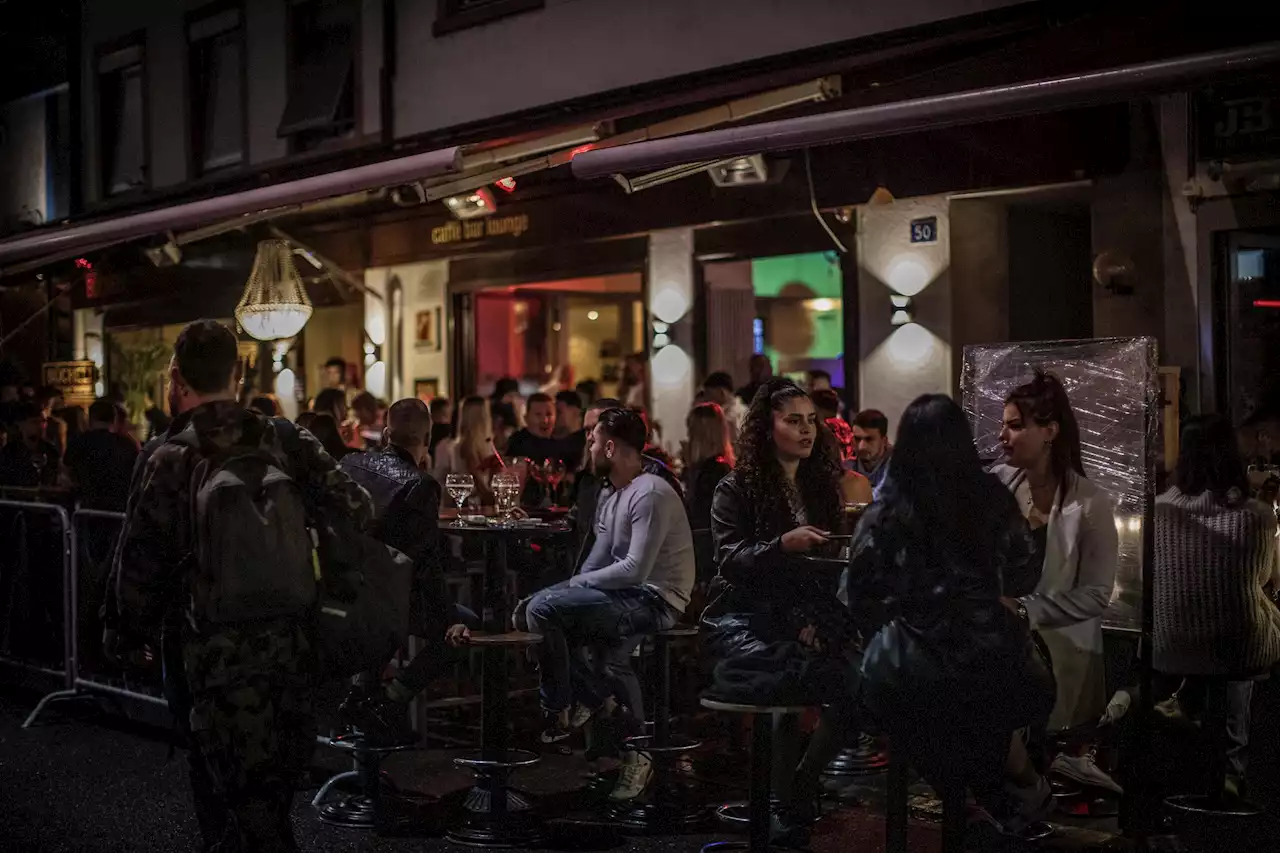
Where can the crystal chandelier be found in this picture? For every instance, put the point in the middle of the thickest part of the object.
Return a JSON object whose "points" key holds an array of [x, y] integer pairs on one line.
{"points": [[275, 303]]}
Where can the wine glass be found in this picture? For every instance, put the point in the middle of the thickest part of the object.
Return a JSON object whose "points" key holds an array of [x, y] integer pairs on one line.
{"points": [[553, 471], [459, 486], [506, 493]]}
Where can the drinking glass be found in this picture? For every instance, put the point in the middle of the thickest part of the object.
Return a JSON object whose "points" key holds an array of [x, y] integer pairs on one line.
{"points": [[459, 486], [506, 493], [554, 472]]}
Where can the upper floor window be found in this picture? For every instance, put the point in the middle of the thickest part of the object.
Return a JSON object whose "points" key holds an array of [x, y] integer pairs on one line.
{"points": [[122, 119], [460, 14], [215, 65], [322, 90]]}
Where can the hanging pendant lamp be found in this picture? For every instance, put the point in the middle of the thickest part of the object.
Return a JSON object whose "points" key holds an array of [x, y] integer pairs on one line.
{"points": [[275, 303]]}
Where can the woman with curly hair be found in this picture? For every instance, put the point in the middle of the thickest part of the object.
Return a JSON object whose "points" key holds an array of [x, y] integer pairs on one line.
{"points": [[776, 628]]}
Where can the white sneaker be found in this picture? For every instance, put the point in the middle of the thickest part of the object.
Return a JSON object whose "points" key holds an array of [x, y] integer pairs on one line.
{"points": [[634, 777], [1085, 770], [581, 714]]}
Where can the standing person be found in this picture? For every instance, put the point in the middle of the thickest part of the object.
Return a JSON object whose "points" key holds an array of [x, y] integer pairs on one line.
{"points": [[932, 559], [335, 374], [326, 431], [28, 460], [1215, 556], [760, 371], [366, 431], [777, 630], [101, 459], [1074, 529], [406, 503], [719, 390], [235, 631], [871, 443], [569, 427], [708, 458], [441, 423], [633, 389], [635, 581], [536, 443]]}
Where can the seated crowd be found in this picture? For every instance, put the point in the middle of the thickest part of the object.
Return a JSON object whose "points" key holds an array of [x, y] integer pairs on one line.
{"points": [[898, 587]]}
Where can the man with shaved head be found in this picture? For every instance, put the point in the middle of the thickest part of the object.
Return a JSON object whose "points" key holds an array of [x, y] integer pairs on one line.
{"points": [[406, 516]]}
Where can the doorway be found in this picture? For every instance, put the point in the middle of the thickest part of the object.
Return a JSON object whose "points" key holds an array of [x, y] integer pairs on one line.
{"points": [[1252, 340]]}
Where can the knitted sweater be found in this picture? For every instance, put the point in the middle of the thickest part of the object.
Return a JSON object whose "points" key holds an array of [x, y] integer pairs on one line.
{"points": [[1212, 559]]}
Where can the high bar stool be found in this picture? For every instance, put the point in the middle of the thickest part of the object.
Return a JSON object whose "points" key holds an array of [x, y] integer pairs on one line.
{"points": [[363, 810], [668, 806], [758, 821], [496, 815]]}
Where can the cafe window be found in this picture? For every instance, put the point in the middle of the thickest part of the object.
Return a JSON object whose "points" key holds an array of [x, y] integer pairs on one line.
{"points": [[461, 14], [216, 69], [122, 120], [322, 101]]}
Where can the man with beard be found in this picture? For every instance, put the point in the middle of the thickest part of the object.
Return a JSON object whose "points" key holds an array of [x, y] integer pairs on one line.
{"points": [[635, 580]]}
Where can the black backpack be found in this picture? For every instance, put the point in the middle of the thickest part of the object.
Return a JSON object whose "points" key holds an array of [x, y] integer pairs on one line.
{"points": [[250, 540]]}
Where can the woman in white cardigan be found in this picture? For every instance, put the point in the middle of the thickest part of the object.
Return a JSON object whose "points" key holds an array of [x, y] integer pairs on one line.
{"points": [[1215, 557], [1073, 523]]}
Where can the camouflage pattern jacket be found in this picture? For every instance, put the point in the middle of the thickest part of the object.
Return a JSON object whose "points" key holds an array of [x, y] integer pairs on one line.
{"points": [[152, 577]]}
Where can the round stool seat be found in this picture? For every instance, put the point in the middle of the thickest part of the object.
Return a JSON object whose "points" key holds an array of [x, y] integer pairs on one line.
{"points": [[738, 708], [676, 745], [507, 759], [679, 631], [359, 743], [510, 638]]}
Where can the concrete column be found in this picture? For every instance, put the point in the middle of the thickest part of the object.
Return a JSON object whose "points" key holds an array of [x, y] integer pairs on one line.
{"points": [[672, 380], [899, 363]]}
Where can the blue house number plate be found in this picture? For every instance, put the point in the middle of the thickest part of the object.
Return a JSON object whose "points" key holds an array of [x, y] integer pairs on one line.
{"points": [[924, 230]]}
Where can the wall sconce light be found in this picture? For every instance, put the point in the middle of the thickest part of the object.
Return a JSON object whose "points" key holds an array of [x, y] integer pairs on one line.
{"points": [[372, 353], [904, 310], [661, 334]]}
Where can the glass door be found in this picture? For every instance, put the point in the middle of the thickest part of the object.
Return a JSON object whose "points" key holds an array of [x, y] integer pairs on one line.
{"points": [[1253, 348]]}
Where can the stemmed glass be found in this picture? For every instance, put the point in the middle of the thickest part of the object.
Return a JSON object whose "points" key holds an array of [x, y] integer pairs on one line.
{"points": [[553, 472], [506, 493], [459, 486]]}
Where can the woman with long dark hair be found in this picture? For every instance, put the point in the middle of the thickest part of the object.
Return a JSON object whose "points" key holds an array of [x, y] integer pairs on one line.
{"points": [[951, 672], [776, 628], [1215, 555], [1073, 574]]}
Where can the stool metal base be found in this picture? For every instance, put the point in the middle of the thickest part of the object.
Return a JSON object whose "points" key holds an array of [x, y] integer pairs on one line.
{"points": [[515, 825], [865, 758], [354, 812], [718, 846]]}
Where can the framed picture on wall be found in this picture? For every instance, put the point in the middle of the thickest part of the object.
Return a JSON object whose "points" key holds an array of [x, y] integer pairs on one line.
{"points": [[426, 390], [427, 329]]}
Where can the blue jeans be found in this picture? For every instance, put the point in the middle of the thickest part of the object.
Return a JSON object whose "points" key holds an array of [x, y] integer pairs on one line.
{"points": [[588, 636]]}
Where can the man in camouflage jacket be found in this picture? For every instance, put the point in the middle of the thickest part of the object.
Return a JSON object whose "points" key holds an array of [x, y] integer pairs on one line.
{"points": [[249, 688]]}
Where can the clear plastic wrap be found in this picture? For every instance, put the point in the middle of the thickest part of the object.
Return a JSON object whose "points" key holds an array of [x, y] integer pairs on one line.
{"points": [[1114, 390]]}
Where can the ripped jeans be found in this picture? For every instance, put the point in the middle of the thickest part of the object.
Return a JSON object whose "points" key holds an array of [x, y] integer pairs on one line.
{"points": [[607, 624]]}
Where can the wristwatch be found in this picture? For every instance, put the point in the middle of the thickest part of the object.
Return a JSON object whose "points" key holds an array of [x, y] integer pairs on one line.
{"points": [[1022, 612]]}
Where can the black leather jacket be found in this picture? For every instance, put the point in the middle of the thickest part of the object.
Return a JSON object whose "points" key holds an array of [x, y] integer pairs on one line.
{"points": [[407, 517], [760, 589]]}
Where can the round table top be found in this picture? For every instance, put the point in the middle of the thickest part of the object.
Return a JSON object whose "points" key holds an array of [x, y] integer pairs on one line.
{"points": [[524, 529], [736, 708], [509, 638]]}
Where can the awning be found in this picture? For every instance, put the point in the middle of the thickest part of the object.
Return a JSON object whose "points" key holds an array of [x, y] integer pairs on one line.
{"points": [[997, 102], [72, 239]]}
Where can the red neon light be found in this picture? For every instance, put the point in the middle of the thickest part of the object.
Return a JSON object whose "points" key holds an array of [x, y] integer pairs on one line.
{"points": [[581, 149], [1266, 303], [508, 184], [84, 263]]}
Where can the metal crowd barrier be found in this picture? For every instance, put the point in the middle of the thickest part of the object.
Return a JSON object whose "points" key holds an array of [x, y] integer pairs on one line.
{"points": [[65, 673], [79, 683]]}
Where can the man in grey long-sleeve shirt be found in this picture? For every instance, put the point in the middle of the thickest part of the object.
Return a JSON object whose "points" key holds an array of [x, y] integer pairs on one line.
{"points": [[636, 580]]}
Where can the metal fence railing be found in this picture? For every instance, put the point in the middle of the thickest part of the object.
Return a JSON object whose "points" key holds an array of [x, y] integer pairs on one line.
{"points": [[83, 541], [33, 601]]}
